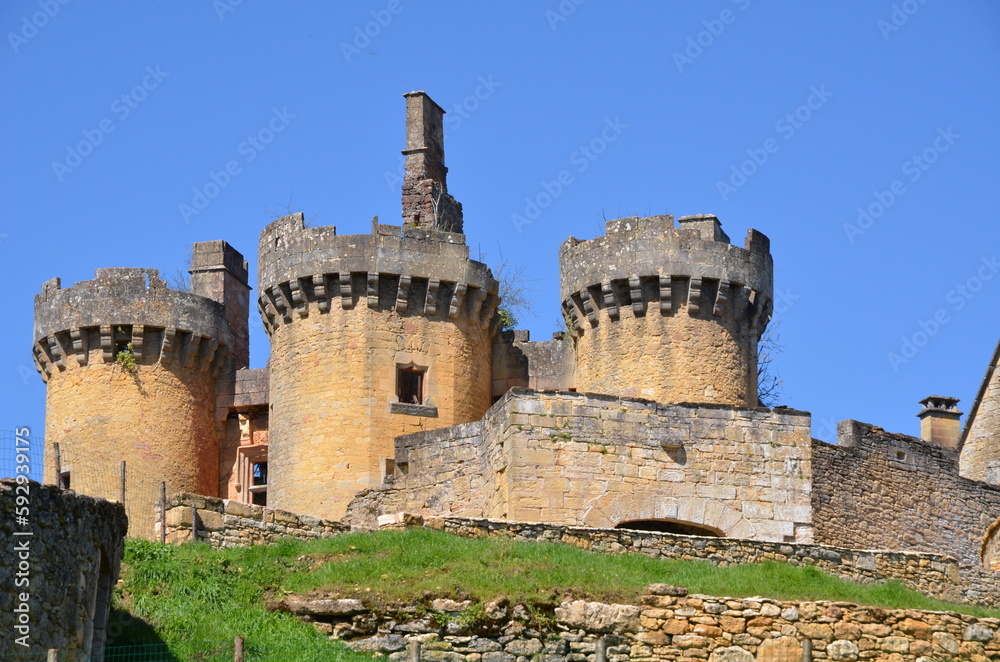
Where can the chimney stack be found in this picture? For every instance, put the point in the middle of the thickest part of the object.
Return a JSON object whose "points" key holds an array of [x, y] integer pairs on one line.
{"points": [[426, 203], [939, 420]]}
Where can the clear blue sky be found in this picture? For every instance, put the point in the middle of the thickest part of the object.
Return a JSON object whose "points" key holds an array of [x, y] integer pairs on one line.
{"points": [[834, 100]]}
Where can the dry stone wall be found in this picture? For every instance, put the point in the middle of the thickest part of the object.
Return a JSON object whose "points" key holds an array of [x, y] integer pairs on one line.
{"points": [[668, 624], [879, 490], [228, 523], [57, 581], [591, 460]]}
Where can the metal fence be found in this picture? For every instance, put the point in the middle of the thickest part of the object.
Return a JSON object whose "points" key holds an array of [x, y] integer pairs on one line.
{"points": [[15, 449]]}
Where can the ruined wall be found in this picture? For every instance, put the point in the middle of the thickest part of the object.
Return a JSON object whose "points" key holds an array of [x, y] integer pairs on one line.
{"points": [[879, 490], [669, 314], [667, 624], [70, 561], [540, 365], [155, 411], [229, 523], [980, 457], [344, 314], [579, 459]]}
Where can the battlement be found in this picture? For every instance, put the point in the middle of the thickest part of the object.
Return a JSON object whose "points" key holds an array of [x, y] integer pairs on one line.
{"points": [[413, 271], [123, 306], [647, 262]]}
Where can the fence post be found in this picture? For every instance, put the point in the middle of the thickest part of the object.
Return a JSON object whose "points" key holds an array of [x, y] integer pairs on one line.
{"points": [[53, 655], [414, 649], [194, 523], [58, 462], [238, 649], [163, 511], [123, 482], [601, 650], [807, 650]]}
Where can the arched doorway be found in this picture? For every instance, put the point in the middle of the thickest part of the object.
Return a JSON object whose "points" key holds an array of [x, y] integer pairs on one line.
{"points": [[670, 526]]}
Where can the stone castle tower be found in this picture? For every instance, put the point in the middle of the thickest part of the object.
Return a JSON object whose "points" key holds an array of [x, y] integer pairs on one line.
{"points": [[156, 408], [668, 314], [372, 336]]}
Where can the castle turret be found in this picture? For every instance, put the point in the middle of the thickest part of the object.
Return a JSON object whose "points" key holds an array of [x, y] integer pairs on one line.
{"points": [[372, 336], [669, 314], [130, 367]]}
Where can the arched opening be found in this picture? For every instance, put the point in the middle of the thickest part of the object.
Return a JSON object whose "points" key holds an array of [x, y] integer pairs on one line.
{"points": [[670, 526]]}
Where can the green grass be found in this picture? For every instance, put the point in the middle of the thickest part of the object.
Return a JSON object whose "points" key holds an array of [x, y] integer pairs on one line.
{"points": [[194, 593]]}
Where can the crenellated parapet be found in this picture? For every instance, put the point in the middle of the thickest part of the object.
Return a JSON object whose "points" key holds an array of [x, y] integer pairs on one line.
{"points": [[409, 271], [646, 264], [668, 313], [122, 307]]}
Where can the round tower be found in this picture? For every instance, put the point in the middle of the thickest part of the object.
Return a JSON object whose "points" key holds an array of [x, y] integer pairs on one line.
{"points": [[372, 336], [130, 367], [668, 314]]}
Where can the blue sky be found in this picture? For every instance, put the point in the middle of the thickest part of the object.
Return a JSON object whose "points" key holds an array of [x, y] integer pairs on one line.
{"points": [[792, 118]]}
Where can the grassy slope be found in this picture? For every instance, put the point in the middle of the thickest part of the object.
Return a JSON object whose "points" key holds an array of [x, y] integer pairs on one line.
{"points": [[194, 593]]}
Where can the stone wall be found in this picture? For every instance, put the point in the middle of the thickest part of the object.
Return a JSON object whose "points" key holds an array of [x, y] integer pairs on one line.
{"points": [[936, 575], [344, 314], [877, 490], [669, 624], [591, 460], [980, 457], [62, 573], [519, 362], [670, 314], [229, 523]]}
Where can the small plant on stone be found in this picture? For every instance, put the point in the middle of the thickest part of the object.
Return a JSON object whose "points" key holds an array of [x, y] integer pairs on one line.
{"points": [[126, 359]]}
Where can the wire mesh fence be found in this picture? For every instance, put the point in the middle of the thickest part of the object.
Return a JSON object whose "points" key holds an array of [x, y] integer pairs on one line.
{"points": [[21, 454], [89, 472], [211, 651], [107, 477]]}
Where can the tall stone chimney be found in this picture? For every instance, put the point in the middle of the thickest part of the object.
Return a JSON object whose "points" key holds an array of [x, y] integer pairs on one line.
{"points": [[219, 272], [426, 203], [939, 420]]}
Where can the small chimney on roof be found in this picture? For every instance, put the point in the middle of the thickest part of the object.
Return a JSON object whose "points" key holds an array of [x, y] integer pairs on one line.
{"points": [[939, 420], [426, 203]]}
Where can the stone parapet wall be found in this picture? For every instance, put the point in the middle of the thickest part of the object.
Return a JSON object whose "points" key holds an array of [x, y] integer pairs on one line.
{"points": [[228, 523], [57, 580], [592, 460], [875, 489], [667, 625]]}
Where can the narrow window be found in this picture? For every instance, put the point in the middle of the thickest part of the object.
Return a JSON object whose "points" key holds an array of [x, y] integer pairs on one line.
{"points": [[64, 480], [258, 484], [410, 385]]}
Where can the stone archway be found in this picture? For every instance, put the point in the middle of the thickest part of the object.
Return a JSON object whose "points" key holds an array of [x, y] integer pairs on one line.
{"points": [[670, 526], [609, 510]]}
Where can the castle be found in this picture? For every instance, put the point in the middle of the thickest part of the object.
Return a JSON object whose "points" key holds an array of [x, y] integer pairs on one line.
{"points": [[392, 388]]}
